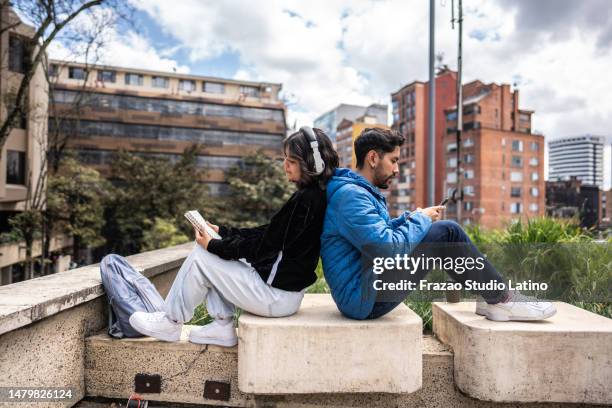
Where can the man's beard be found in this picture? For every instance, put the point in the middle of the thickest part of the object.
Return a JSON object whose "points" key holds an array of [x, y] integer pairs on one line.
{"points": [[383, 181]]}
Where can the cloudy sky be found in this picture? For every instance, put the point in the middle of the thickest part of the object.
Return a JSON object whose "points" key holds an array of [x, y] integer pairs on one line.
{"points": [[558, 52]]}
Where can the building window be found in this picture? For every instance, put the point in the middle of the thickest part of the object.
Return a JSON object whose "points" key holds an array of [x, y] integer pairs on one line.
{"points": [[451, 147], [468, 205], [76, 73], [106, 75], [451, 116], [516, 176], [468, 142], [18, 54], [533, 161], [15, 167], [503, 141], [452, 162], [133, 79], [535, 176], [187, 85], [515, 191], [468, 159], [517, 161], [451, 178], [249, 91], [471, 125], [535, 146], [159, 82], [516, 208], [468, 190], [469, 174], [213, 87], [517, 145], [533, 207], [534, 191], [53, 70]]}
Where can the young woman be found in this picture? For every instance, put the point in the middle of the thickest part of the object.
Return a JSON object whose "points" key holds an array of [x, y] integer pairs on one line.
{"points": [[263, 270]]}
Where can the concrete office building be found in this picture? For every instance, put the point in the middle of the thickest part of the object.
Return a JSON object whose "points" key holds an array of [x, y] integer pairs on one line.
{"points": [[22, 153], [578, 156], [161, 114], [329, 121]]}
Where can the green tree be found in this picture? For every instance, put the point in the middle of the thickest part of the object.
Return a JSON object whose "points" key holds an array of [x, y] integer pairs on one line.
{"points": [[75, 204], [146, 188], [258, 188], [162, 233]]}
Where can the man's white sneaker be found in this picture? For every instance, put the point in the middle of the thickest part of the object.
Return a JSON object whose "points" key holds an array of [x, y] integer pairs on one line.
{"points": [[156, 325], [214, 333], [481, 307], [520, 308]]}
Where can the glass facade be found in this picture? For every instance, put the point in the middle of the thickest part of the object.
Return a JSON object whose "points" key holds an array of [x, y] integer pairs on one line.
{"points": [[167, 106], [86, 128]]}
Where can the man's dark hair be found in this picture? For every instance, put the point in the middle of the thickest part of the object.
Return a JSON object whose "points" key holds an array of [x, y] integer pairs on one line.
{"points": [[378, 139]]}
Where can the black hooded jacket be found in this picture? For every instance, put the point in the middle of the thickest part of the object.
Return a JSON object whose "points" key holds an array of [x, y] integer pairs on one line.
{"points": [[284, 252]]}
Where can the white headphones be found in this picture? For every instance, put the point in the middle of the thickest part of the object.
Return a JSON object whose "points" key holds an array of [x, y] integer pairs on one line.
{"points": [[314, 145]]}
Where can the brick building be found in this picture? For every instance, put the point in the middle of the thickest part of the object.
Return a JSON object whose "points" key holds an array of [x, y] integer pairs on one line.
{"points": [[502, 165]]}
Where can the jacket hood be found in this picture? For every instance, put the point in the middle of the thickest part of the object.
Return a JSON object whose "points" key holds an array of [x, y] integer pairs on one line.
{"points": [[344, 176]]}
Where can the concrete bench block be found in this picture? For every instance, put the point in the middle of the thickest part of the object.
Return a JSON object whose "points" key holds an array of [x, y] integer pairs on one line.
{"points": [[567, 358], [111, 366], [318, 350]]}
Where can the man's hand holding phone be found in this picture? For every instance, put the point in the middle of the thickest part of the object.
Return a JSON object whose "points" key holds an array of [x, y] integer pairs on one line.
{"points": [[434, 212]]}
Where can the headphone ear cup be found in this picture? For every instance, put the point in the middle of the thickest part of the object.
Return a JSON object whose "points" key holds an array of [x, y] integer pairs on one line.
{"points": [[314, 145]]}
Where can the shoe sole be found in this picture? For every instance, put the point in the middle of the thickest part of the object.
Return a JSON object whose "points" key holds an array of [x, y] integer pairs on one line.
{"points": [[158, 336], [216, 342], [500, 317]]}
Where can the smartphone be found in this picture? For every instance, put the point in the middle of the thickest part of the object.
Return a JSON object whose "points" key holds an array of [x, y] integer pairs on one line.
{"points": [[443, 202]]}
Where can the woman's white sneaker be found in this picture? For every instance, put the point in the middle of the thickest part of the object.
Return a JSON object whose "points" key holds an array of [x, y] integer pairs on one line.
{"points": [[481, 307], [157, 325], [214, 333], [520, 308]]}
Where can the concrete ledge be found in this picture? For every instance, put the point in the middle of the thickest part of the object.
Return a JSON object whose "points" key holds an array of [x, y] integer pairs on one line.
{"points": [[29, 301], [567, 358], [317, 350]]}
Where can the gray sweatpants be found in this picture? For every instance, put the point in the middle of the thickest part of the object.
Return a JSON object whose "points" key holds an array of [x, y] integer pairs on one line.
{"points": [[225, 285]]}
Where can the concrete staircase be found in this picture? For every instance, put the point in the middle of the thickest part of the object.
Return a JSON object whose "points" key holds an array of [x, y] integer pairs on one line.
{"points": [[319, 358]]}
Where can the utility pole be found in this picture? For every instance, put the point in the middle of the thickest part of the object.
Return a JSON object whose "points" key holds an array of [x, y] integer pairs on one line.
{"points": [[458, 193], [431, 180]]}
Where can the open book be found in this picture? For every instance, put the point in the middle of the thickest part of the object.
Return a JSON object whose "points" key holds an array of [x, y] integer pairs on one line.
{"points": [[196, 219]]}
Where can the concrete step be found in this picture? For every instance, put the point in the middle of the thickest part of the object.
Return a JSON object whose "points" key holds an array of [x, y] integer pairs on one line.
{"points": [[567, 358], [318, 350], [180, 372]]}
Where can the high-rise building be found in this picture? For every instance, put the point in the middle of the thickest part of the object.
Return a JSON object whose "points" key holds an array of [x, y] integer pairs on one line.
{"points": [[578, 156], [410, 117], [502, 161], [329, 121], [160, 114], [347, 132]]}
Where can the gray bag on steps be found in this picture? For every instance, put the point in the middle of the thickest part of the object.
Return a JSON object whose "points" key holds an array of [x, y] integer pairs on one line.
{"points": [[128, 291]]}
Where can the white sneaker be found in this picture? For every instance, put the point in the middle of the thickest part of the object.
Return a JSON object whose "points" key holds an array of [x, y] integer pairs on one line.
{"points": [[214, 333], [520, 308], [156, 325], [481, 307]]}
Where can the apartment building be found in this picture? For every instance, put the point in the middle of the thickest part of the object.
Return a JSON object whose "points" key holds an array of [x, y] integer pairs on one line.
{"points": [[572, 198], [21, 158], [578, 156], [329, 121], [410, 111], [347, 132], [502, 161], [160, 114]]}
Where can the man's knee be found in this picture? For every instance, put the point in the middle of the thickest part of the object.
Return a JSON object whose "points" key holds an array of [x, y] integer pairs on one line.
{"points": [[452, 230]]}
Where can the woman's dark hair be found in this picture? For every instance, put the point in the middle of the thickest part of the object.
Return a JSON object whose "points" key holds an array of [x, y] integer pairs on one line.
{"points": [[297, 146], [378, 139]]}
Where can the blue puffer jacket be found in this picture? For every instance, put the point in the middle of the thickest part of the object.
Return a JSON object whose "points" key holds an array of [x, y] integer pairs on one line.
{"points": [[357, 224]]}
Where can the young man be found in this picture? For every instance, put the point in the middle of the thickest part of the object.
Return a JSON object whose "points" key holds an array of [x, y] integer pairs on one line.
{"points": [[357, 228]]}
